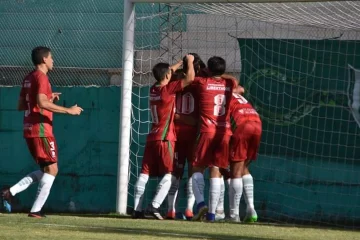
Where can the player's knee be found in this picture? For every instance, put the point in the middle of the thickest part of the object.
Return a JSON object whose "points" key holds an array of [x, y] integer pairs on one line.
{"points": [[215, 172], [51, 169], [236, 169]]}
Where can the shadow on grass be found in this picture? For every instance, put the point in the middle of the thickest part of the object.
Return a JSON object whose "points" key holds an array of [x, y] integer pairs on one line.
{"points": [[164, 233]]}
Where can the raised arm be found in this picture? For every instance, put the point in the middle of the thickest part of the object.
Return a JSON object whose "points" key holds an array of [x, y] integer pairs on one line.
{"points": [[190, 73]]}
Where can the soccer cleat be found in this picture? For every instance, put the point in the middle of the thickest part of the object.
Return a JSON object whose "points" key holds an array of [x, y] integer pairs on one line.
{"points": [[154, 212], [210, 217], [251, 216], [6, 200], [36, 215], [138, 215], [202, 210], [219, 216], [234, 218], [170, 215], [189, 214]]}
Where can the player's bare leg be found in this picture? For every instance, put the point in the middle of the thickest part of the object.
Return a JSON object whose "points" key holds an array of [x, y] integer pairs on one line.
{"points": [[190, 195], [22, 185], [248, 182], [139, 195], [236, 189], [198, 185], [43, 192]]}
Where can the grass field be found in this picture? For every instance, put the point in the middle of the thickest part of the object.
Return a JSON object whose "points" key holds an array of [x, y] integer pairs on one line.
{"points": [[55, 227]]}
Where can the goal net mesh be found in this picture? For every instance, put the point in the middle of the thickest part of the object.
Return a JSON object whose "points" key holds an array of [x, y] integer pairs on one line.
{"points": [[299, 65]]}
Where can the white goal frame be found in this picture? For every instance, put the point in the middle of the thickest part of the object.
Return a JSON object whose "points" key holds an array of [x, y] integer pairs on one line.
{"points": [[126, 86]]}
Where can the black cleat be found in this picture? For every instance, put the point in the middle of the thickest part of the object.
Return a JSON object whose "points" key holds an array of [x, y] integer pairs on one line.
{"points": [[6, 198], [154, 212], [138, 215]]}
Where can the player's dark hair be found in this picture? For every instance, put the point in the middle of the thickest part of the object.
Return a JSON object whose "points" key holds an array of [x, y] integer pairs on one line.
{"points": [[38, 54], [198, 64], [160, 70], [216, 66]]}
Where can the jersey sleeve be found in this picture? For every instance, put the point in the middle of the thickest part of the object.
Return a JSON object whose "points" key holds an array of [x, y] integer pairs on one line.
{"points": [[42, 85], [174, 87]]}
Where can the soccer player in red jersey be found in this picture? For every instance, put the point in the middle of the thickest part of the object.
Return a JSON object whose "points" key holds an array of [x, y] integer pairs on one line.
{"points": [[247, 129], [186, 119], [37, 100], [159, 154], [212, 148]]}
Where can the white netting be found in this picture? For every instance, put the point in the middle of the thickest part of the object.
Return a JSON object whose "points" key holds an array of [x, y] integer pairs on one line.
{"points": [[299, 81]]}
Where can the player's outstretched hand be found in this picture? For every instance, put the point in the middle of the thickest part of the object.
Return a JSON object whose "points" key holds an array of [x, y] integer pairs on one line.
{"points": [[75, 110]]}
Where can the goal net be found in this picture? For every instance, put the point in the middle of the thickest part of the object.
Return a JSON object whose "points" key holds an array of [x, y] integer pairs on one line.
{"points": [[300, 65]]}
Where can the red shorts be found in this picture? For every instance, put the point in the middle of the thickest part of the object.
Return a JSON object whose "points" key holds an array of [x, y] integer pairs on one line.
{"points": [[44, 150], [158, 158], [184, 151], [246, 141], [212, 150]]}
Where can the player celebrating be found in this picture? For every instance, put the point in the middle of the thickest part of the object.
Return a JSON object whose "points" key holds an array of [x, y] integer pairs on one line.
{"points": [[213, 143], [245, 144], [186, 119], [158, 155], [36, 99]]}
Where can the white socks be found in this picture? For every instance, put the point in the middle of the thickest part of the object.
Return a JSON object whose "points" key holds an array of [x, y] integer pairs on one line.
{"points": [[26, 182], [190, 195], [220, 206], [249, 191], [43, 192], [198, 185], [236, 189], [139, 191], [162, 190], [215, 188], [173, 192]]}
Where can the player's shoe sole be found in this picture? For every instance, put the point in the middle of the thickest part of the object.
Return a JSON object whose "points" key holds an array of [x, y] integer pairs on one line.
{"points": [[250, 219], [36, 215], [201, 213]]}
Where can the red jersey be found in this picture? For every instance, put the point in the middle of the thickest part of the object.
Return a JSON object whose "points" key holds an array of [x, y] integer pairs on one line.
{"points": [[37, 121], [162, 108], [214, 100], [187, 104], [241, 110]]}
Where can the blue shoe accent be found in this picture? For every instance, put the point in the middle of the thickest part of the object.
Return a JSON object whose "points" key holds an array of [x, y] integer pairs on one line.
{"points": [[210, 217], [6, 206]]}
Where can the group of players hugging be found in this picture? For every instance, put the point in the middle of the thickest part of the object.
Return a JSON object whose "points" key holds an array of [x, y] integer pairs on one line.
{"points": [[199, 116]]}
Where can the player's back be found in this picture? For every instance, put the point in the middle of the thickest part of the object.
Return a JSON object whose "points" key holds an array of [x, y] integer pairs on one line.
{"points": [[241, 110], [162, 108], [214, 98], [37, 121]]}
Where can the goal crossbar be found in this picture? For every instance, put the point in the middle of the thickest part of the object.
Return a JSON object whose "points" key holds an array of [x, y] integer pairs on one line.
{"points": [[235, 1]]}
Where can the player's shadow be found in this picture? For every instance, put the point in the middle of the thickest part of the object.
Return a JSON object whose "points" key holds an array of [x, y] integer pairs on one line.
{"points": [[144, 231]]}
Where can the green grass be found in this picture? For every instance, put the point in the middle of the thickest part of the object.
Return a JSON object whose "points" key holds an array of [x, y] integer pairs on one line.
{"points": [[56, 227]]}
